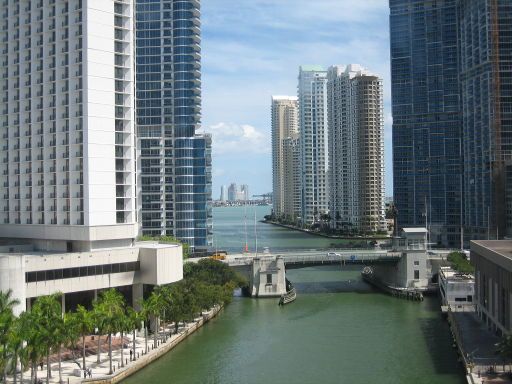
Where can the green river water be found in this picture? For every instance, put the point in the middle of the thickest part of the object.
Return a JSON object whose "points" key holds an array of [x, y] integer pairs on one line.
{"points": [[339, 330]]}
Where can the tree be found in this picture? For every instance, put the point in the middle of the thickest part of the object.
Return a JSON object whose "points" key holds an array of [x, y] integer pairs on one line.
{"points": [[504, 347], [98, 319], [48, 314], [7, 304], [134, 319], [112, 307], [83, 320]]}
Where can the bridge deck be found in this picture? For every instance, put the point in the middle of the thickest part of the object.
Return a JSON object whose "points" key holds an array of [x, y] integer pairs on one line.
{"points": [[292, 259]]}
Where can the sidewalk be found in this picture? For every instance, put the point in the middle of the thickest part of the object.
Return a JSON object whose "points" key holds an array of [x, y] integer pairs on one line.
{"points": [[478, 348], [71, 372]]}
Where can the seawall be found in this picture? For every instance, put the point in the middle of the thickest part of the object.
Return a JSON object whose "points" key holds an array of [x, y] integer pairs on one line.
{"points": [[155, 354]]}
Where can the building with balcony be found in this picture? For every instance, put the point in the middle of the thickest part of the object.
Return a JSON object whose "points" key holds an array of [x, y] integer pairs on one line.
{"points": [[68, 216], [356, 149], [174, 160], [285, 159], [67, 159], [313, 135]]}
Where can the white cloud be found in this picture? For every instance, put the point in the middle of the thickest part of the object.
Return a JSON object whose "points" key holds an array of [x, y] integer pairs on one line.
{"points": [[229, 138]]}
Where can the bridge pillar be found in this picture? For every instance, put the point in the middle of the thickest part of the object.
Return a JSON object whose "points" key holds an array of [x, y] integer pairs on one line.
{"points": [[268, 277]]}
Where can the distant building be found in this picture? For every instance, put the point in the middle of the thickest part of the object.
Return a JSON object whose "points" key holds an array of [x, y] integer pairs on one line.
{"points": [[232, 192], [356, 149], [312, 92], [244, 192], [292, 178], [285, 159], [493, 282], [223, 193]]}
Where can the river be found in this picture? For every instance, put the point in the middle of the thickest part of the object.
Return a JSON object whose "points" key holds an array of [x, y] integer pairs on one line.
{"points": [[339, 330]]}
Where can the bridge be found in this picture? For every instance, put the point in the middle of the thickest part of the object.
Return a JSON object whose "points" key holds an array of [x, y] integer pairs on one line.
{"points": [[306, 258], [267, 272]]}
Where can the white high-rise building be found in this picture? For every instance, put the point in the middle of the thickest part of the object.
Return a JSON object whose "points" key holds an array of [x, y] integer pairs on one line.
{"points": [[313, 127], [244, 192], [223, 193], [67, 156], [285, 167], [232, 192], [67, 170], [356, 149]]}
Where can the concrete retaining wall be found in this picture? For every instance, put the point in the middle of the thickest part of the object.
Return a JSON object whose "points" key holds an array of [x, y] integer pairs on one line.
{"points": [[145, 360]]}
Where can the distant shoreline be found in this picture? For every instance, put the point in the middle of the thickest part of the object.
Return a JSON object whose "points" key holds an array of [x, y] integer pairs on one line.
{"points": [[335, 237]]}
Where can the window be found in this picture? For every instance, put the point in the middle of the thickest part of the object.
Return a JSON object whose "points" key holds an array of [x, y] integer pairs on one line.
{"points": [[416, 274], [416, 262], [269, 278]]}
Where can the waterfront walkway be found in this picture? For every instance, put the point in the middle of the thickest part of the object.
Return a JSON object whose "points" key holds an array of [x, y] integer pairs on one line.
{"points": [[477, 346], [72, 374]]}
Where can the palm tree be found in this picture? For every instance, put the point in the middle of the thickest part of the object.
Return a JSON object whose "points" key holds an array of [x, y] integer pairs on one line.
{"points": [[84, 322], [155, 304], [112, 305], [7, 304], [48, 314], [15, 346], [98, 319], [124, 326], [34, 348], [67, 334], [144, 315], [134, 319]]}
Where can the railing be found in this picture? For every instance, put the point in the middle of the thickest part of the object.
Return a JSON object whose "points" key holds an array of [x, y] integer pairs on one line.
{"points": [[327, 258]]}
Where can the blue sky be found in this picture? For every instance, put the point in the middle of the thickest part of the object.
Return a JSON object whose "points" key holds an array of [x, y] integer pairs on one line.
{"points": [[252, 49]]}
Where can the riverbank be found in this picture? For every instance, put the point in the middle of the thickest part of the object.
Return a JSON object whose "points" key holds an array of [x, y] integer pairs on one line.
{"points": [[72, 374], [321, 234], [477, 349]]}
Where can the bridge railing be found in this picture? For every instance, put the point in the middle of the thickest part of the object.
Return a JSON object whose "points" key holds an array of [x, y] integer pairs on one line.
{"points": [[354, 257]]}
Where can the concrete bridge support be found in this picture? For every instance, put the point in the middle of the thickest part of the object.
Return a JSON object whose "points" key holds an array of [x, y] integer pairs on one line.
{"points": [[268, 278]]}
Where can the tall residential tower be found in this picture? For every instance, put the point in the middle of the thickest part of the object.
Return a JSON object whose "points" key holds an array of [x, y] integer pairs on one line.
{"points": [[312, 92], [68, 217], [285, 165], [175, 162], [356, 149]]}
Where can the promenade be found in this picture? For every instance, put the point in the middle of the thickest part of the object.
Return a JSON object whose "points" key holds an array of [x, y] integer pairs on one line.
{"points": [[71, 372]]}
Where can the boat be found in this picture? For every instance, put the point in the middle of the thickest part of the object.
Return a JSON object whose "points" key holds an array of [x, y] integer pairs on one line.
{"points": [[290, 295]]}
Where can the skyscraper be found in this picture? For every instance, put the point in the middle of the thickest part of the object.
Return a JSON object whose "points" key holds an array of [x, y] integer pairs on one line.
{"points": [[356, 149], [175, 162], [427, 122], [244, 192], [223, 193], [312, 92], [68, 218], [232, 192], [486, 84], [285, 133], [67, 175]]}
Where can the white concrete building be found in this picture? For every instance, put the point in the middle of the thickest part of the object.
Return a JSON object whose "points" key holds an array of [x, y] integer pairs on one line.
{"points": [[285, 165], [223, 193], [313, 127], [457, 290], [67, 156], [356, 149]]}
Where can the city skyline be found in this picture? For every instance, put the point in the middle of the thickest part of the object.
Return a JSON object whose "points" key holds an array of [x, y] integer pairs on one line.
{"points": [[248, 53]]}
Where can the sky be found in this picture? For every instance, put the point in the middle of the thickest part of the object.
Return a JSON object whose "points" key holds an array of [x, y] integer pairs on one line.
{"points": [[252, 49]]}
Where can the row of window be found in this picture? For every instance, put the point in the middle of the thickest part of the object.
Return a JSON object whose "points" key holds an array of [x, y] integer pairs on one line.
{"points": [[93, 270]]}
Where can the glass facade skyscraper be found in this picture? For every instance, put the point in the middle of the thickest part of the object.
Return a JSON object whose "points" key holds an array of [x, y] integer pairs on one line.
{"points": [[427, 119], [486, 89], [174, 162]]}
